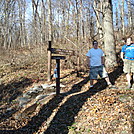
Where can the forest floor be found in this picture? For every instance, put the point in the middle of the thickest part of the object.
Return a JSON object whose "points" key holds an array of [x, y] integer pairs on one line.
{"points": [[77, 110]]}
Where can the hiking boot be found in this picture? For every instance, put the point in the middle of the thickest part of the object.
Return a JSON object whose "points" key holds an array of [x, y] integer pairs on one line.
{"points": [[110, 86]]}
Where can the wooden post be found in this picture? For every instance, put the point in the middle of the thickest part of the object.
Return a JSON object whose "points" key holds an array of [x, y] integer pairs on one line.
{"points": [[49, 60], [58, 78], [78, 64], [58, 58]]}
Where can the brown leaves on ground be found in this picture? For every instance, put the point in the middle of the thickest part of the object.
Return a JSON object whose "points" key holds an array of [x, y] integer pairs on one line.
{"points": [[77, 110], [105, 113]]}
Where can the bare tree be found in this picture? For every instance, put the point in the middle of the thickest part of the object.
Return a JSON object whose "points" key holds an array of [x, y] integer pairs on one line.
{"points": [[130, 15], [49, 20], [49, 37], [22, 29], [98, 9], [7, 22], [122, 18], [109, 41], [43, 22]]}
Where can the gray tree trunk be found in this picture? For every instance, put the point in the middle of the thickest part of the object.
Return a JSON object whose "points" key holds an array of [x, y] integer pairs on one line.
{"points": [[49, 38], [109, 42], [49, 20], [122, 18], [130, 16]]}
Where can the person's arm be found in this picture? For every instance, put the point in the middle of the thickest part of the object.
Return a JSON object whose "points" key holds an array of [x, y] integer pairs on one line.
{"points": [[88, 61], [123, 52], [122, 55], [102, 60]]}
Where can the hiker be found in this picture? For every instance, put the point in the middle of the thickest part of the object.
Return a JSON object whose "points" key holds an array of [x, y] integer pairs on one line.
{"points": [[95, 61], [127, 55]]}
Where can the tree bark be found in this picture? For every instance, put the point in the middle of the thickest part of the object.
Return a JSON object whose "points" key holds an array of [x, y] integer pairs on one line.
{"points": [[49, 21], [110, 60]]}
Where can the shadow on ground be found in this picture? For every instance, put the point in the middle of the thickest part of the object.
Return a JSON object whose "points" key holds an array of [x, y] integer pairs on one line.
{"points": [[67, 112], [10, 92]]}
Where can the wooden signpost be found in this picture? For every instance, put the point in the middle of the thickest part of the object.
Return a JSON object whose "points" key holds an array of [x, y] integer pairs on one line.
{"points": [[57, 58], [57, 71], [62, 51]]}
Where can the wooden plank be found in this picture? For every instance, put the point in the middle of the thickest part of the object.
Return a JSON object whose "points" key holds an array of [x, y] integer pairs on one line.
{"points": [[58, 57], [62, 51]]}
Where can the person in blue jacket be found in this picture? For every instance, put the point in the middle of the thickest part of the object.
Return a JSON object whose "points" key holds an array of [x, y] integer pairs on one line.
{"points": [[127, 55]]}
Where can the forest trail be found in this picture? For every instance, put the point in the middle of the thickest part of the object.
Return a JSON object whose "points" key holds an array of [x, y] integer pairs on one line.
{"points": [[78, 109]]}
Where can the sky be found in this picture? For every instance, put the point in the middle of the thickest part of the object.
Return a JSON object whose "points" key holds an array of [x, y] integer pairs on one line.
{"points": [[114, 2]]}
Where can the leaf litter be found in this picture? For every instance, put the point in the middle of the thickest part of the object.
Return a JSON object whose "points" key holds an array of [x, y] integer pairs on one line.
{"points": [[77, 110]]}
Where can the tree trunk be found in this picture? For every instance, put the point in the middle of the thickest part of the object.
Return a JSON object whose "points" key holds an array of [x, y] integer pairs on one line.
{"points": [[110, 59], [49, 38], [130, 16], [49, 20], [122, 18], [43, 22]]}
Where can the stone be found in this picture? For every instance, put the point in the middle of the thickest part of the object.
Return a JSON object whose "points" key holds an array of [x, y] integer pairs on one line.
{"points": [[37, 88], [33, 94], [45, 86], [9, 109], [40, 97], [23, 101]]}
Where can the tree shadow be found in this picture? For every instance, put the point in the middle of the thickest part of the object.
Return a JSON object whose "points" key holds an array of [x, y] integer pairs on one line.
{"points": [[65, 115], [73, 72], [10, 92]]}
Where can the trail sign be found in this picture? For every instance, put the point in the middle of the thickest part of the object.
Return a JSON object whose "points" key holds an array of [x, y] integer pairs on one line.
{"points": [[62, 51], [58, 57]]}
